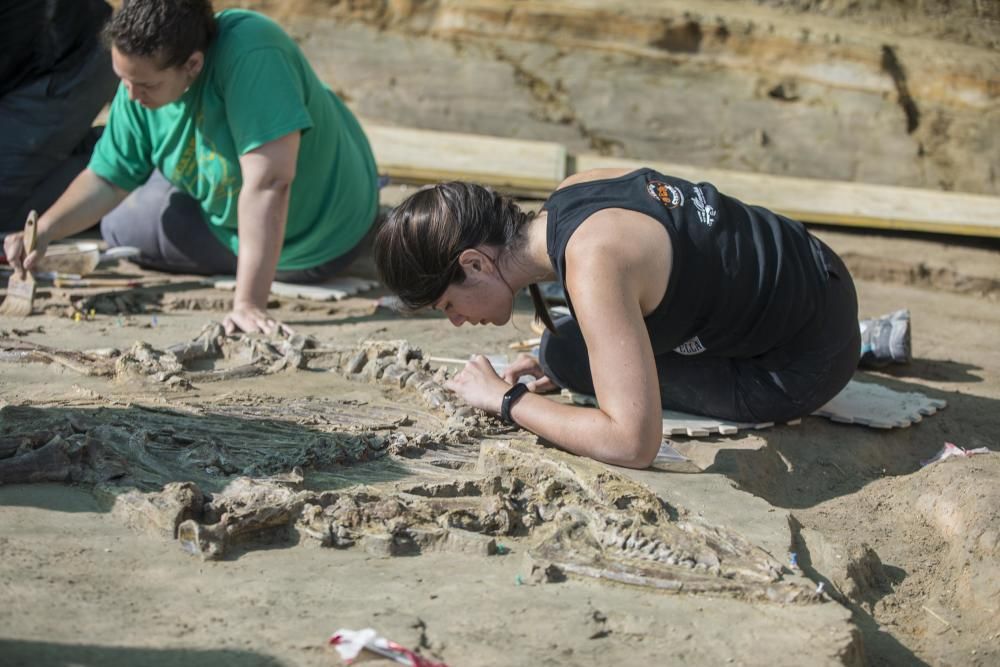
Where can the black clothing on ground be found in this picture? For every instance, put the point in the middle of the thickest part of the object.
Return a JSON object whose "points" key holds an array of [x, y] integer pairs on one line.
{"points": [[39, 37], [759, 318], [55, 76]]}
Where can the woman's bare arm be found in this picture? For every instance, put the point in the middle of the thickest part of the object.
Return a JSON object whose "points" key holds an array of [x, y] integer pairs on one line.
{"points": [[618, 264], [87, 199], [268, 173]]}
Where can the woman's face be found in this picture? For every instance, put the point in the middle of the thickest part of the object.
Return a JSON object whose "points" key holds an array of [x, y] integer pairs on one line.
{"points": [[150, 85], [482, 298]]}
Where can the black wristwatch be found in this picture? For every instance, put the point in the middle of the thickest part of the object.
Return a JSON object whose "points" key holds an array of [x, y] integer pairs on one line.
{"points": [[512, 396]]}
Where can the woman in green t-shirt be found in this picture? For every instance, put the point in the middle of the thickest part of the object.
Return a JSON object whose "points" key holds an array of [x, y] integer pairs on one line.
{"points": [[223, 153]]}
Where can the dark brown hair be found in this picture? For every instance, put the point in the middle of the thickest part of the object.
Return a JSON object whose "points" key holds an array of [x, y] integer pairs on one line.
{"points": [[168, 30], [418, 246]]}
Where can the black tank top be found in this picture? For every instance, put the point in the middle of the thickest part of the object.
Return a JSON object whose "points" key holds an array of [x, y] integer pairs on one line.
{"points": [[744, 280]]}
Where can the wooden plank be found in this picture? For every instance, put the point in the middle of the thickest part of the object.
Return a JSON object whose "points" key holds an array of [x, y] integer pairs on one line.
{"points": [[427, 156], [839, 202], [535, 168]]}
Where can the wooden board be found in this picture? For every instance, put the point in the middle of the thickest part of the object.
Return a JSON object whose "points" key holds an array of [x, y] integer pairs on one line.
{"points": [[838, 202], [426, 156], [537, 167]]}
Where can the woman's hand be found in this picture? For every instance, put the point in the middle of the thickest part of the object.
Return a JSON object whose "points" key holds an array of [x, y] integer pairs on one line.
{"points": [[251, 319], [268, 172], [479, 385], [525, 364], [13, 248]]}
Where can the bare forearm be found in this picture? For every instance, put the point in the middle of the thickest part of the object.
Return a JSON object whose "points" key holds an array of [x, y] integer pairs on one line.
{"points": [[87, 199], [263, 213], [586, 432], [627, 431]]}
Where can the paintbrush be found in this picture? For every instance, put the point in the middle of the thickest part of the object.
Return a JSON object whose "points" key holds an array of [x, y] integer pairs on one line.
{"points": [[21, 288]]}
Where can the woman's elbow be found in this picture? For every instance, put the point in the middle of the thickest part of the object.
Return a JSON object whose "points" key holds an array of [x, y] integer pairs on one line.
{"points": [[272, 180], [642, 452], [279, 183]]}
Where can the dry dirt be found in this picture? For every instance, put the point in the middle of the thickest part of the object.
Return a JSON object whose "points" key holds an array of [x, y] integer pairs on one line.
{"points": [[217, 502]]}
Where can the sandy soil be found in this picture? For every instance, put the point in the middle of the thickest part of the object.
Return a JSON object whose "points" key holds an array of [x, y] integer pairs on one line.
{"points": [[908, 555]]}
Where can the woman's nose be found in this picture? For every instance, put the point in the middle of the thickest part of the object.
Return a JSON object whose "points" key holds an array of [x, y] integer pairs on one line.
{"points": [[456, 319]]}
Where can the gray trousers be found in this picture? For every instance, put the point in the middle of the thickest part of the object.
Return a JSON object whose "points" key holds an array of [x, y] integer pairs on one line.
{"points": [[46, 136], [169, 229]]}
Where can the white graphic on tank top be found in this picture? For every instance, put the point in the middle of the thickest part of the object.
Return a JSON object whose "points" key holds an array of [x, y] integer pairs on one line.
{"points": [[706, 212], [691, 347]]}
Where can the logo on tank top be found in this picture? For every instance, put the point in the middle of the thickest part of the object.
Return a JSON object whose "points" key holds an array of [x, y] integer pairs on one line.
{"points": [[690, 348], [706, 212], [668, 195]]}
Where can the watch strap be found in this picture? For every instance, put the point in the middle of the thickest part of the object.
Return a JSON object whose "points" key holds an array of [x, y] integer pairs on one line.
{"points": [[512, 396]]}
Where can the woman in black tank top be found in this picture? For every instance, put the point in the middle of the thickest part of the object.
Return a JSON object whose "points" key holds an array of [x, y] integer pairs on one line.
{"points": [[680, 298]]}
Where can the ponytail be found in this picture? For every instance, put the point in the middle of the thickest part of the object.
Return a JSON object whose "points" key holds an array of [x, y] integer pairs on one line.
{"points": [[541, 308]]}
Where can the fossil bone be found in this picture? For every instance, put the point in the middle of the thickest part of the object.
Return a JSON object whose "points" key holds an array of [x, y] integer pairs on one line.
{"points": [[575, 516]]}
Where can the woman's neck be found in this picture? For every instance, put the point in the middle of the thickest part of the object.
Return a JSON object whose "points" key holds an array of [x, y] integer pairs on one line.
{"points": [[530, 262]]}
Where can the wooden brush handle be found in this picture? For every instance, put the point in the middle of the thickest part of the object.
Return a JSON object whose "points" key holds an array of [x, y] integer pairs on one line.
{"points": [[30, 233]]}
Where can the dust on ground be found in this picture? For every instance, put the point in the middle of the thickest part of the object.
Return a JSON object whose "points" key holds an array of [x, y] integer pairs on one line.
{"points": [[234, 501]]}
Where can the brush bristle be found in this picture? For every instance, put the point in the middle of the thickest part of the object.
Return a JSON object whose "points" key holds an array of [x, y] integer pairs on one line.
{"points": [[20, 297]]}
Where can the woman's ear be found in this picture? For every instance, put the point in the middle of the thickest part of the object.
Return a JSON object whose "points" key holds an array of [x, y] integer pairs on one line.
{"points": [[194, 65], [472, 260]]}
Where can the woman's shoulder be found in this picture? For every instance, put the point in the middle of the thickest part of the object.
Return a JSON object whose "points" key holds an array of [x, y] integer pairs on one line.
{"points": [[241, 20], [589, 175], [594, 205], [246, 40], [242, 30]]}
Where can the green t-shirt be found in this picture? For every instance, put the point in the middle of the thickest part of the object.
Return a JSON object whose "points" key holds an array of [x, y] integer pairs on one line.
{"points": [[256, 87]]}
